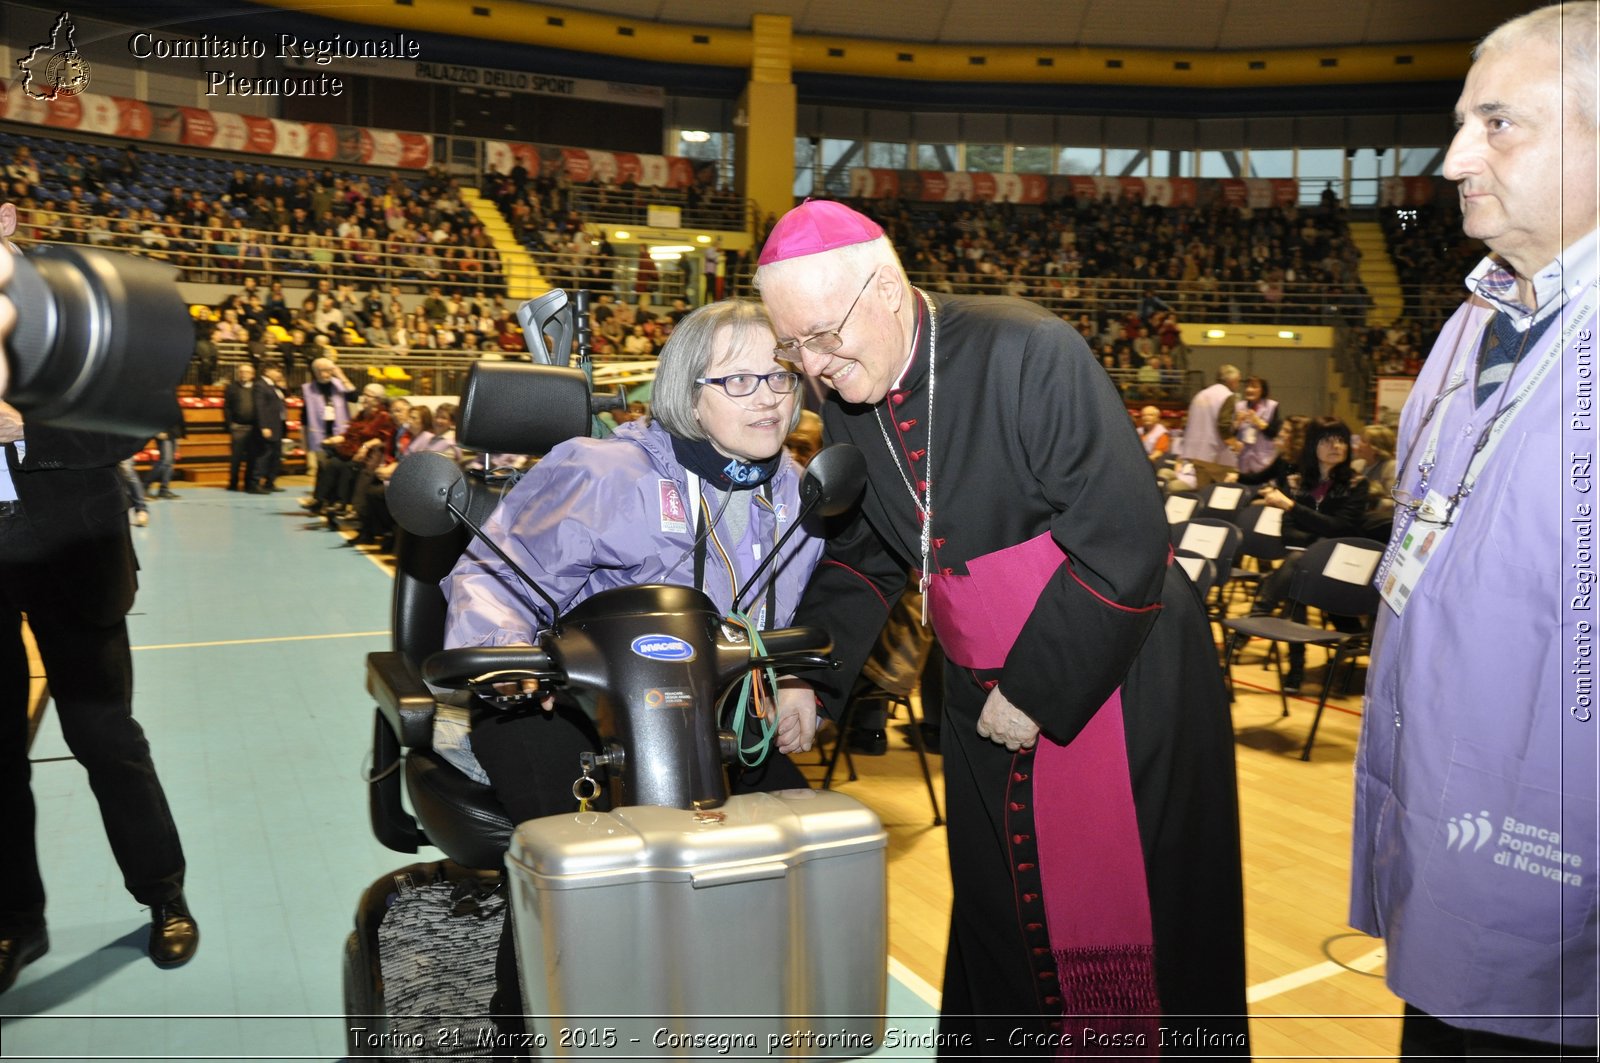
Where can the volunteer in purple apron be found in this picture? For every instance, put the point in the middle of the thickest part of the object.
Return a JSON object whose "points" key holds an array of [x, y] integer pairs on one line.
{"points": [[1095, 865], [1255, 424], [1475, 824]]}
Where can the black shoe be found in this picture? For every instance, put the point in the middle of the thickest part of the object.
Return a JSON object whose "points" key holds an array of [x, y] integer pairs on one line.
{"points": [[868, 743], [1292, 680], [167, 494], [256, 491], [19, 951], [174, 935]]}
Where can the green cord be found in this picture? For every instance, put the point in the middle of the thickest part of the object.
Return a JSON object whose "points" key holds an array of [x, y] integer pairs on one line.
{"points": [[766, 726]]}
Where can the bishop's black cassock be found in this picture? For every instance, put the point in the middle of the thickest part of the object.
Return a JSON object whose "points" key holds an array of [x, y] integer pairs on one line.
{"points": [[1031, 443]]}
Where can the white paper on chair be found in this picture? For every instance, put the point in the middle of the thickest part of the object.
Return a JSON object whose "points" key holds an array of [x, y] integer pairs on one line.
{"points": [[1192, 565], [1352, 564], [1203, 539], [1270, 522], [1225, 496], [1180, 508]]}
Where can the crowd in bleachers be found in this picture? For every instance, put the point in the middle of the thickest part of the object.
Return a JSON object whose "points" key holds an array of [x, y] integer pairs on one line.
{"points": [[1432, 257], [1121, 270], [1218, 262], [220, 220]]}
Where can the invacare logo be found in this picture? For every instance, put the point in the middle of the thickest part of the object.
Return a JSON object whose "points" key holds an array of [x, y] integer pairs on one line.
{"points": [[662, 648], [1518, 845]]}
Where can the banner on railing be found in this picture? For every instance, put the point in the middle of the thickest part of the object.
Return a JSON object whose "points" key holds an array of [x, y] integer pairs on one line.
{"points": [[581, 165], [218, 130], [933, 186]]}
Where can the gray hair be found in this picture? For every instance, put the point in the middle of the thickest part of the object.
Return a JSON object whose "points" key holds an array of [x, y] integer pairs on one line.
{"points": [[1572, 27], [1226, 372], [687, 356]]}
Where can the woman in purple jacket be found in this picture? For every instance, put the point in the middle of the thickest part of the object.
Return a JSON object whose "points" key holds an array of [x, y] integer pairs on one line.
{"points": [[696, 494]]}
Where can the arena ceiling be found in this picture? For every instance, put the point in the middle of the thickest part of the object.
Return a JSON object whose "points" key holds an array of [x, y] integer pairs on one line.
{"points": [[1190, 25]]}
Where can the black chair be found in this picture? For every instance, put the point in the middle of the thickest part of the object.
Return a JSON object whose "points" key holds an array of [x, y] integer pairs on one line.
{"points": [[867, 691], [1181, 505], [505, 408], [1202, 571], [1229, 502], [1261, 540], [1333, 576], [1215, 540]]}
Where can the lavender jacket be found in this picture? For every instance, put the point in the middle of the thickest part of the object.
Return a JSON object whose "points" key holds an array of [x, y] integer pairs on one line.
{"points": [[602, 513], [311, 421], [1476, 855]]}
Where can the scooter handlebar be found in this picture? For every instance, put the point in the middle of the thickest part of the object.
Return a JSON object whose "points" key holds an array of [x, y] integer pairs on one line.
{"points": [[797, 641], [469, 665]]}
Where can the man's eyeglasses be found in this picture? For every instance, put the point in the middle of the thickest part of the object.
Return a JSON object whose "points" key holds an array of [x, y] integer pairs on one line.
{"points": [[743, 385], [823, 342]]}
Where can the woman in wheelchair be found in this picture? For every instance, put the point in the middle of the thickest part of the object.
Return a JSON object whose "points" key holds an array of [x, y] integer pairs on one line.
{"points": [[695, 494], [1322, 499]]}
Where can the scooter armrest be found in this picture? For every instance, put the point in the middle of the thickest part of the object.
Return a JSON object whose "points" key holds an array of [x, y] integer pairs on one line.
{"points": [[403, 698]]}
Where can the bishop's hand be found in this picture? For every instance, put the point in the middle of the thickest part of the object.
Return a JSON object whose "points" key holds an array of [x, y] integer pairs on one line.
{"points": [[1003, 723]]}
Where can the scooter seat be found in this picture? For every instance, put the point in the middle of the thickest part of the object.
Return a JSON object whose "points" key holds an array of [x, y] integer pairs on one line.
{"points": [[460, 816]]}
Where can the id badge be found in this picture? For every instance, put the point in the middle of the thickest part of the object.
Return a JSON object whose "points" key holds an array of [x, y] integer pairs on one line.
{"points": [[1420, 544]]}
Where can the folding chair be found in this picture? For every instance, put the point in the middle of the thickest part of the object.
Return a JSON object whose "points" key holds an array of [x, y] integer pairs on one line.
{"points": [[1229, 502], [1260, 538], [1215, 540], [1333, 576], [868, 691], [1202, 571]]}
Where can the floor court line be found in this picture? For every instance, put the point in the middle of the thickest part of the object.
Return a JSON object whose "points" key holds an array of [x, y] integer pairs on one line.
{"points": [[914, 982], [1365, 963], [262, 641]]}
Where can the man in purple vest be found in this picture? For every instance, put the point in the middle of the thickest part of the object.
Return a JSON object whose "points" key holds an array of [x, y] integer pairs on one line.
{"points": [[1476, 851]]}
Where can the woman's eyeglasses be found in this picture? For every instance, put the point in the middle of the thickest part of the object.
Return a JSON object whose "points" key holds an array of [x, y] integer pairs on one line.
{"points": [[743, 385]]}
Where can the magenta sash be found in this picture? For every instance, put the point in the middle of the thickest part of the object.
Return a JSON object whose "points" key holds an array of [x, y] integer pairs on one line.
{"points": [[1091, 864]]}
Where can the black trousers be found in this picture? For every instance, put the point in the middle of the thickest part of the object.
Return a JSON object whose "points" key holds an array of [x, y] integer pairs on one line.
{"points": [[245, 448], [1424, 1037], [84, 648], [269, 460]]}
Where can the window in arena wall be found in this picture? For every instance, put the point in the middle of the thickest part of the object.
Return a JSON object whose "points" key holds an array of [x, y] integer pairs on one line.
{"points": [[888, 155], [1266, 162], [805, 166], [1177, 163], [1127, 162], [1216, 164], [1079, 160], [936, 157], [1420, 162], [1368, 167], [837, 156], [1031, 158], [986, 158]]}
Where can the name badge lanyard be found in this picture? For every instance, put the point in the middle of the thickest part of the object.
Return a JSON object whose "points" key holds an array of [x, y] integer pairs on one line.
{"points": [[1495, 432], [702, 549]]}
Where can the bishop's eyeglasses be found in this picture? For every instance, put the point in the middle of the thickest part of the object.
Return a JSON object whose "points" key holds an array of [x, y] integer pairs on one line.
{"points": [[823, 342]]}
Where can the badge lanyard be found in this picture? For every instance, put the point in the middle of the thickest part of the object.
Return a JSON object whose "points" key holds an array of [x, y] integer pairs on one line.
{"points": [[702, 548], [1412, 547]]}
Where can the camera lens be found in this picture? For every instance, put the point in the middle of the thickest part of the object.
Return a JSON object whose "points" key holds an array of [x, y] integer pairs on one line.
{"points": [[101, 342]]}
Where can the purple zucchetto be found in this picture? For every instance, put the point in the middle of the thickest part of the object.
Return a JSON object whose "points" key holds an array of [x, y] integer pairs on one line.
{"points": [[815, 226]]}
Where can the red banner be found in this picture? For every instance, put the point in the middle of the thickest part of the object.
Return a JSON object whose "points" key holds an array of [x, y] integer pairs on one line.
{"points": [[220, 130], [581, 165]]}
